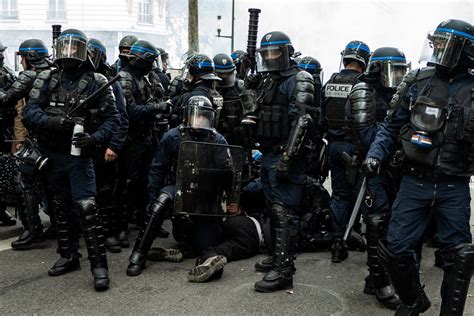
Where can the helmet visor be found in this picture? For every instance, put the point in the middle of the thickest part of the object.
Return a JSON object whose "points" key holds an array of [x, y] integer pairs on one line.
{"points": [[443, 49], [158, 64], [199, 117], [392, 73], [71, 46], [273, 58]]}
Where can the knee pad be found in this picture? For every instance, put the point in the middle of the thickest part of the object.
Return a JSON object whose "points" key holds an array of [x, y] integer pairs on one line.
{"points": [[279, 216], [87, 210], [161, 202], [460, 258], [378, 223]]}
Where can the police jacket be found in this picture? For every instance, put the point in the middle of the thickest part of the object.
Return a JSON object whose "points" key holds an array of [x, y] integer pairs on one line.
{"points": [[166, 156], [7, 78], [138, 91], [55, 92], [333, 99], [432, 114], [230, 116]]}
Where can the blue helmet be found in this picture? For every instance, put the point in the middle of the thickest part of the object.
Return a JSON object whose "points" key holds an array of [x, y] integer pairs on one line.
{"points": [[356, 51]]}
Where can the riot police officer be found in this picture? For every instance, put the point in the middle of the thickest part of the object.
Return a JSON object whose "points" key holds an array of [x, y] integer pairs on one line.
{"points": [[230, 115], [198, 78], [432, 114], [7, 114], [283, 94], [105, 162], [56, 104], [34, 59], [143, 105], [237, 57], [198, 125], [165, 78], [366, 108], [333, 99], [125, 45]]}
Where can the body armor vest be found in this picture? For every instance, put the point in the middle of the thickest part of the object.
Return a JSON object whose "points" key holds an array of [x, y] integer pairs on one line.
{"points": [[272, 122], [451, 149], [6, 78], [230, 116], [336, 91]]}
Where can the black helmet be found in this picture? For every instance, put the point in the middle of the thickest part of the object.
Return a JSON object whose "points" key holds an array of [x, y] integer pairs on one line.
{"points": [[310, 64], [200, 66], [274, 52], [356, 51], [127, 42], [164, 56], [145, 51], [225, 69], [388, 65], [97, 51], [451, 42], [237, 57], [71, 45], [33, 50], [199, 113]]}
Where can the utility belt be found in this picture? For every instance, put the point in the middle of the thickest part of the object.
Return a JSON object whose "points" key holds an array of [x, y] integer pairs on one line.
{"points": [[418, 172]]}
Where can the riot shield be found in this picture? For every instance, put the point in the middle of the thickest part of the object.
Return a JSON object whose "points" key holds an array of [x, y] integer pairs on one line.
{"points": [[208, 179]]}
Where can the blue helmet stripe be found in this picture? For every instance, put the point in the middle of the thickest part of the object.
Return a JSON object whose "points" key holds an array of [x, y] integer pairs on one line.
{"points": [[468, 36], [275, 43], [224, 67], [307, 66], [143, 49], [389, 58], [203, 64], [359, 46], [102, 49], [36, 49], [234, 56], [73, 35]]}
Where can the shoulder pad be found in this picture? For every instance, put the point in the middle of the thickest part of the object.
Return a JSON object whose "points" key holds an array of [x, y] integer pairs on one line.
{"points": [[44, 75], [303, 75], [28, 73], [26, 77], [425, 72], [125, 75], [100, 78], [362, 86]]}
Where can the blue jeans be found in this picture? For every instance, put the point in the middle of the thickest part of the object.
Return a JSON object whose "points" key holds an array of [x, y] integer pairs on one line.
{"points": [[447, 197]]}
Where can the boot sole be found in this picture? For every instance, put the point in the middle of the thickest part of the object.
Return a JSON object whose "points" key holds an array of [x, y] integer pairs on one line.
{"points": [[161, 254], [63, 273], [284, 288], [215, 264]]}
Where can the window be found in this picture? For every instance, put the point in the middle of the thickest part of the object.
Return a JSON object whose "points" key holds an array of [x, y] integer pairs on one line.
{"points": [[8, 10], [161, 8], [56, 10], [145, 11]]}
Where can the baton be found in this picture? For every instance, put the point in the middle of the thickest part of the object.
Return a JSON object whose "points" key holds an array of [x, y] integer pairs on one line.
{"points": [[355, 211]]}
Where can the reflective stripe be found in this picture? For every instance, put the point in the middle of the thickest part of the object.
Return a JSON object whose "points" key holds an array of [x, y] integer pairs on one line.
{"points": [[468, 36], [259, 231]]}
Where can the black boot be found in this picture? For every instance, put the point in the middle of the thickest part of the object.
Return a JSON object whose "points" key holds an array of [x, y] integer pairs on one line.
{"points": [[111, 242], [94, 237], [457, 276], [405, 278], [377, 282], [265, 265], [67, 249], [123, 239], [33, 229], [338, 251], [281, 275], [155, 217]]}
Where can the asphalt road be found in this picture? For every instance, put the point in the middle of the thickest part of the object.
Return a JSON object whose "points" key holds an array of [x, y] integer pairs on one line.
{"points": [[321, 287]]}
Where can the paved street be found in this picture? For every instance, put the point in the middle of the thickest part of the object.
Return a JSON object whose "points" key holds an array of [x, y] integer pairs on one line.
{"points": [[321, 288]]}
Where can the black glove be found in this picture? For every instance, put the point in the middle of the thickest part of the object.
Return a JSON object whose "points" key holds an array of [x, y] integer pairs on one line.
{"points": [[59, 123], [283, 168], [370, 167], [162, 107], [82, 140], [252, 80]]}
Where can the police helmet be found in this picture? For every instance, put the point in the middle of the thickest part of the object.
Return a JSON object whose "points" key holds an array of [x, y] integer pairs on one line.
{"points": [[356, 51], [200, 66], [127, 41], [97, 52], [388, 65], [310, 64], [274, 52], [452, 42], [71, 45], [33, 50], [199, 113], [225, 69]]}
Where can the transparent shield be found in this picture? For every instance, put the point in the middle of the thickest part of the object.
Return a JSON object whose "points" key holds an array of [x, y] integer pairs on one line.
{"points": [[392, 73], [73, 47], [442, 49], [208, 179], [273, 58]]}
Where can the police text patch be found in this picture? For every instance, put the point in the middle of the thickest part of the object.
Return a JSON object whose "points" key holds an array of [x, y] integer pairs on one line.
{"points": [[336, 90]]}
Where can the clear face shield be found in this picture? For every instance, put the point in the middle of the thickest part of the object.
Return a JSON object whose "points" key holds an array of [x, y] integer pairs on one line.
{"points": [[199, 117], [165, 60], [71, 46], [392, 73], [158, 64], [228, 79], [443, 49], [273, 58], [96, 57]]}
